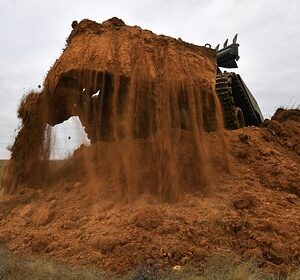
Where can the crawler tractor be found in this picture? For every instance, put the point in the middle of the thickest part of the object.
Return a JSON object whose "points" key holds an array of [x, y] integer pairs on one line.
{"points": [[239, 106]]}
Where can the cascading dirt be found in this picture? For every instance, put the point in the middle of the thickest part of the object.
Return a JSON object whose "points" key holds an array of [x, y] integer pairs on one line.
{"points": [[31, 149], [144, 101]]}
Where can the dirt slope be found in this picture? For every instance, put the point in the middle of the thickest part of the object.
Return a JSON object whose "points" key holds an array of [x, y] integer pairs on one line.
{"points": [[253, 211]]}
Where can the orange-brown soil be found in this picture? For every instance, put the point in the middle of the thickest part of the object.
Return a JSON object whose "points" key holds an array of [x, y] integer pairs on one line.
{"points": [[251, 212]]}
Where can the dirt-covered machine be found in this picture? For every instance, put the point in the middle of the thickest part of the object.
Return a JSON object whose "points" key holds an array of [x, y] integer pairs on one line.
{"points": [[239, 106]]}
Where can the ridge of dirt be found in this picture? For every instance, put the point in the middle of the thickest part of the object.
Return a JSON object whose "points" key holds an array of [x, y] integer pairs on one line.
{"points": [[283, 115], [130, 51]]}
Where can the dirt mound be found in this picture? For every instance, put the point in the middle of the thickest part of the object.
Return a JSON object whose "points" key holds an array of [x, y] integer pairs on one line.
{"points": [[116, 48], [253, 212], [283, 115], [284, 126]]}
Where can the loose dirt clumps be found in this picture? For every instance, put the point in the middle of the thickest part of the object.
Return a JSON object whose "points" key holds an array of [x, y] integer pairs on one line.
{"points": [[104, 244], [149, 218], [41, 217]]}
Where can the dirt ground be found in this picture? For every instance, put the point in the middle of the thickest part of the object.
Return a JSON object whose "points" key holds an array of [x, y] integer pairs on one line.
{"points": [[249, 212]]}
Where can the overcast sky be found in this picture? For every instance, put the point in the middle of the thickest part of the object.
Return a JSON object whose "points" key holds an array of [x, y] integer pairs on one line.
{"points": [[33, 34]]}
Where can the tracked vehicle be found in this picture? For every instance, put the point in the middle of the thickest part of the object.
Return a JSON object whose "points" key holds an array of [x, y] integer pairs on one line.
{"points": [[239, 106]]}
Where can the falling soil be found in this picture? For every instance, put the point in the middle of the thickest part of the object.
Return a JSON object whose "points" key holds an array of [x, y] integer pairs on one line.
{"points": [[156, 135], [142, 99], [31, 149]]}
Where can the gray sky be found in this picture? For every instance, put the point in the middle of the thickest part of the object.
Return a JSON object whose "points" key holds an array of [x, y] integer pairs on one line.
{"points": [[33, 34]]}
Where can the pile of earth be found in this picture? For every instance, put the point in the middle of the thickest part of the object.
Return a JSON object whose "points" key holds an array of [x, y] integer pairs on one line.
{"points": [[124, 83], [251, 211]]}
